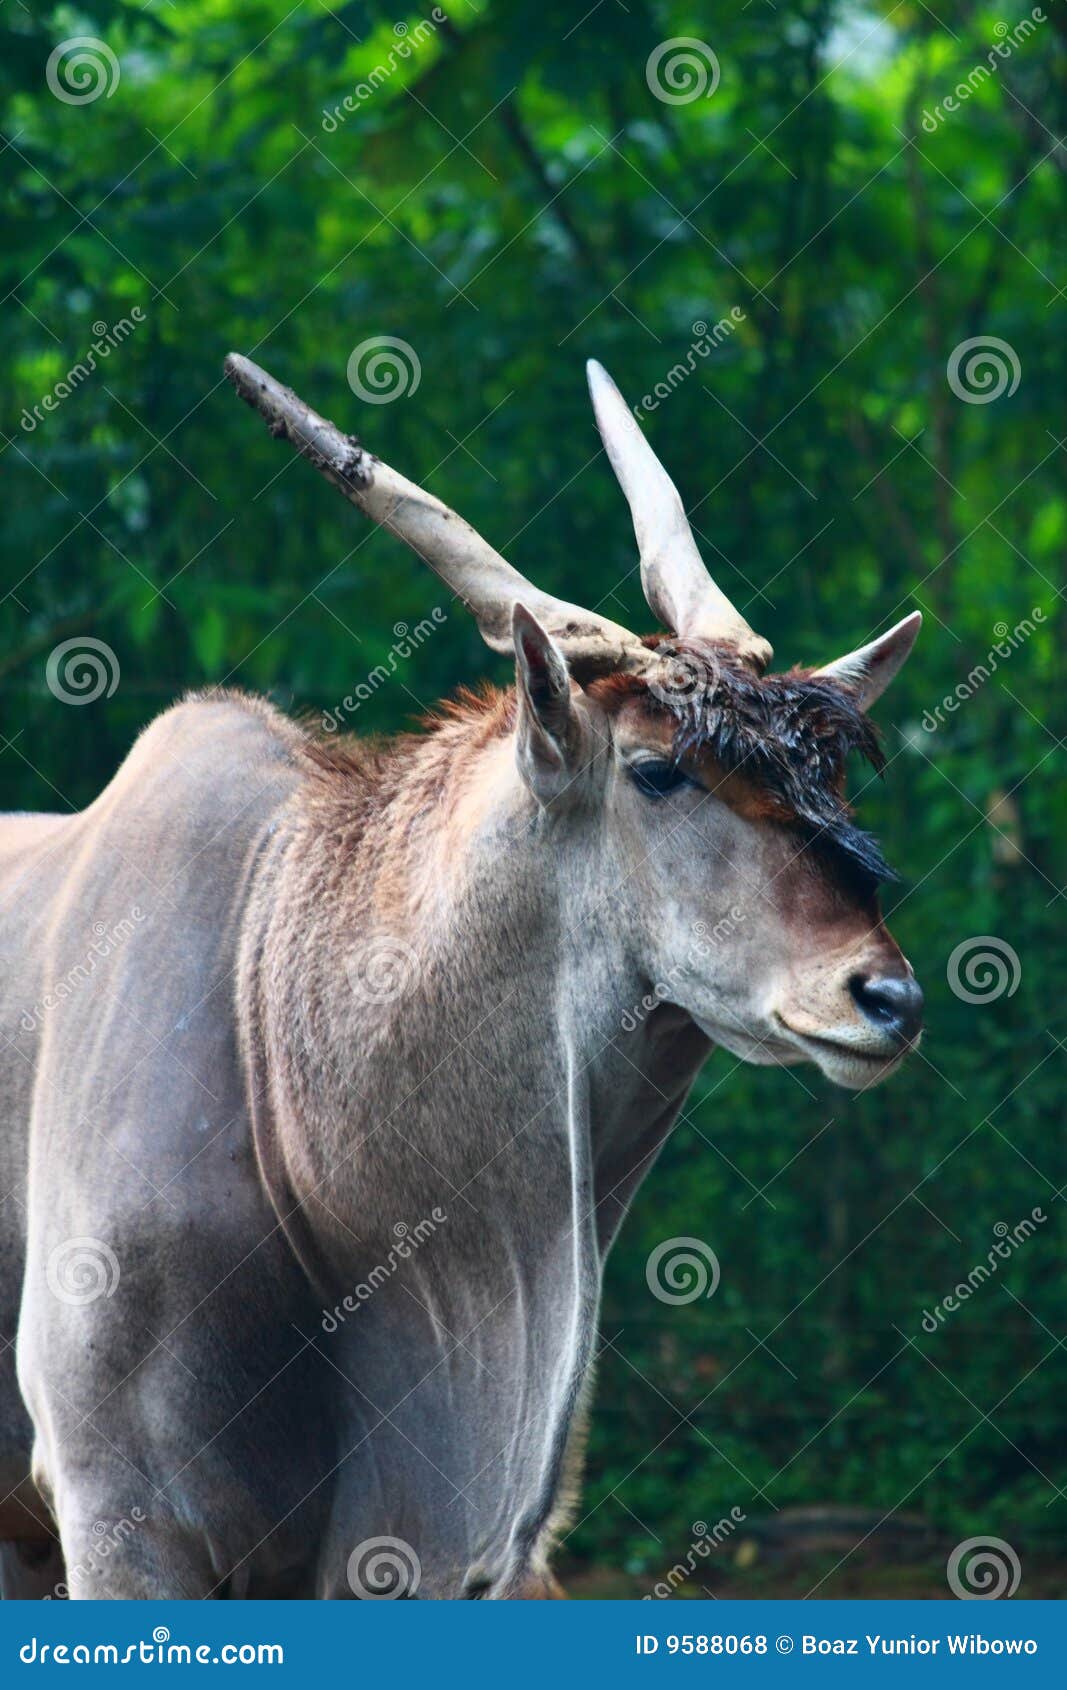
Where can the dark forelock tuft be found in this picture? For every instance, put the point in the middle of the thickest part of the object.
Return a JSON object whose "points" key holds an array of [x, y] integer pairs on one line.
{"points": [[789, 734]]}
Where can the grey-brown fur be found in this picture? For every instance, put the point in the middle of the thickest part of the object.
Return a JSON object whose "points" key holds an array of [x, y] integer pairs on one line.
{"points": [[362, 1020]]}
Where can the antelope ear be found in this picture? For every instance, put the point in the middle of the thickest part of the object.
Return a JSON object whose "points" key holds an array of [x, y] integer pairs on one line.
{"points": [[869, 669], [547, 724]]}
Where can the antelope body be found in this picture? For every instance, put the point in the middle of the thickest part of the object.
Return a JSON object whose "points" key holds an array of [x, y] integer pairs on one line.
{"points": [[312, 1179]]}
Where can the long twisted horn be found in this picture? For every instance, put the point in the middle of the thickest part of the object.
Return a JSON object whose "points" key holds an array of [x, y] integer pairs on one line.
{"points": [[465, 562], [676, 584]]}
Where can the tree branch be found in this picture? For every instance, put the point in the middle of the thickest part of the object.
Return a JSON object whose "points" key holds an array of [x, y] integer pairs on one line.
{"points": [[524, 146]]}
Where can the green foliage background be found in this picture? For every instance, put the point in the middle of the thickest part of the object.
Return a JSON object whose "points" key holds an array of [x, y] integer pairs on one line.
{"points": [[509, 200]]}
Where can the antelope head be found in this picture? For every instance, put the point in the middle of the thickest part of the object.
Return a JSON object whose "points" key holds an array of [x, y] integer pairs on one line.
{"points": [[707, 794]]}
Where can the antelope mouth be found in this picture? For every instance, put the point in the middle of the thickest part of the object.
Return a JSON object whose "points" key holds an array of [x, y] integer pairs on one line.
{"points": [[842, 1047], [854, 1065]]}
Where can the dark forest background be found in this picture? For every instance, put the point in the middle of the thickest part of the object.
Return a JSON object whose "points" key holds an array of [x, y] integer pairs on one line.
{"points": [[507, 197]]}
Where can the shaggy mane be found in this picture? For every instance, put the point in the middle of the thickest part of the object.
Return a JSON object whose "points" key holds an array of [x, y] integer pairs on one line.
{"points": [[789, 735], [421, 762]]}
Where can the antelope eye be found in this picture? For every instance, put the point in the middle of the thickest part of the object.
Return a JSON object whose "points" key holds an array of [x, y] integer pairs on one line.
{"points": [[656, 777]]}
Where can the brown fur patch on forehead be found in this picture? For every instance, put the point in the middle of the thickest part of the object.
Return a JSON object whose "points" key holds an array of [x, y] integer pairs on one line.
{"points": [[788, 735]]}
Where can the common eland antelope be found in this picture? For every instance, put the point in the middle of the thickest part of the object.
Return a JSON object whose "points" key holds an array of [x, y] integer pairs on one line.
{"points": [[313, 1175]]}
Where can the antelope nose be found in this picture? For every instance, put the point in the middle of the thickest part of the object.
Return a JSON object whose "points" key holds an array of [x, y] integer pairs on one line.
{"points": [[891, 1002]]}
